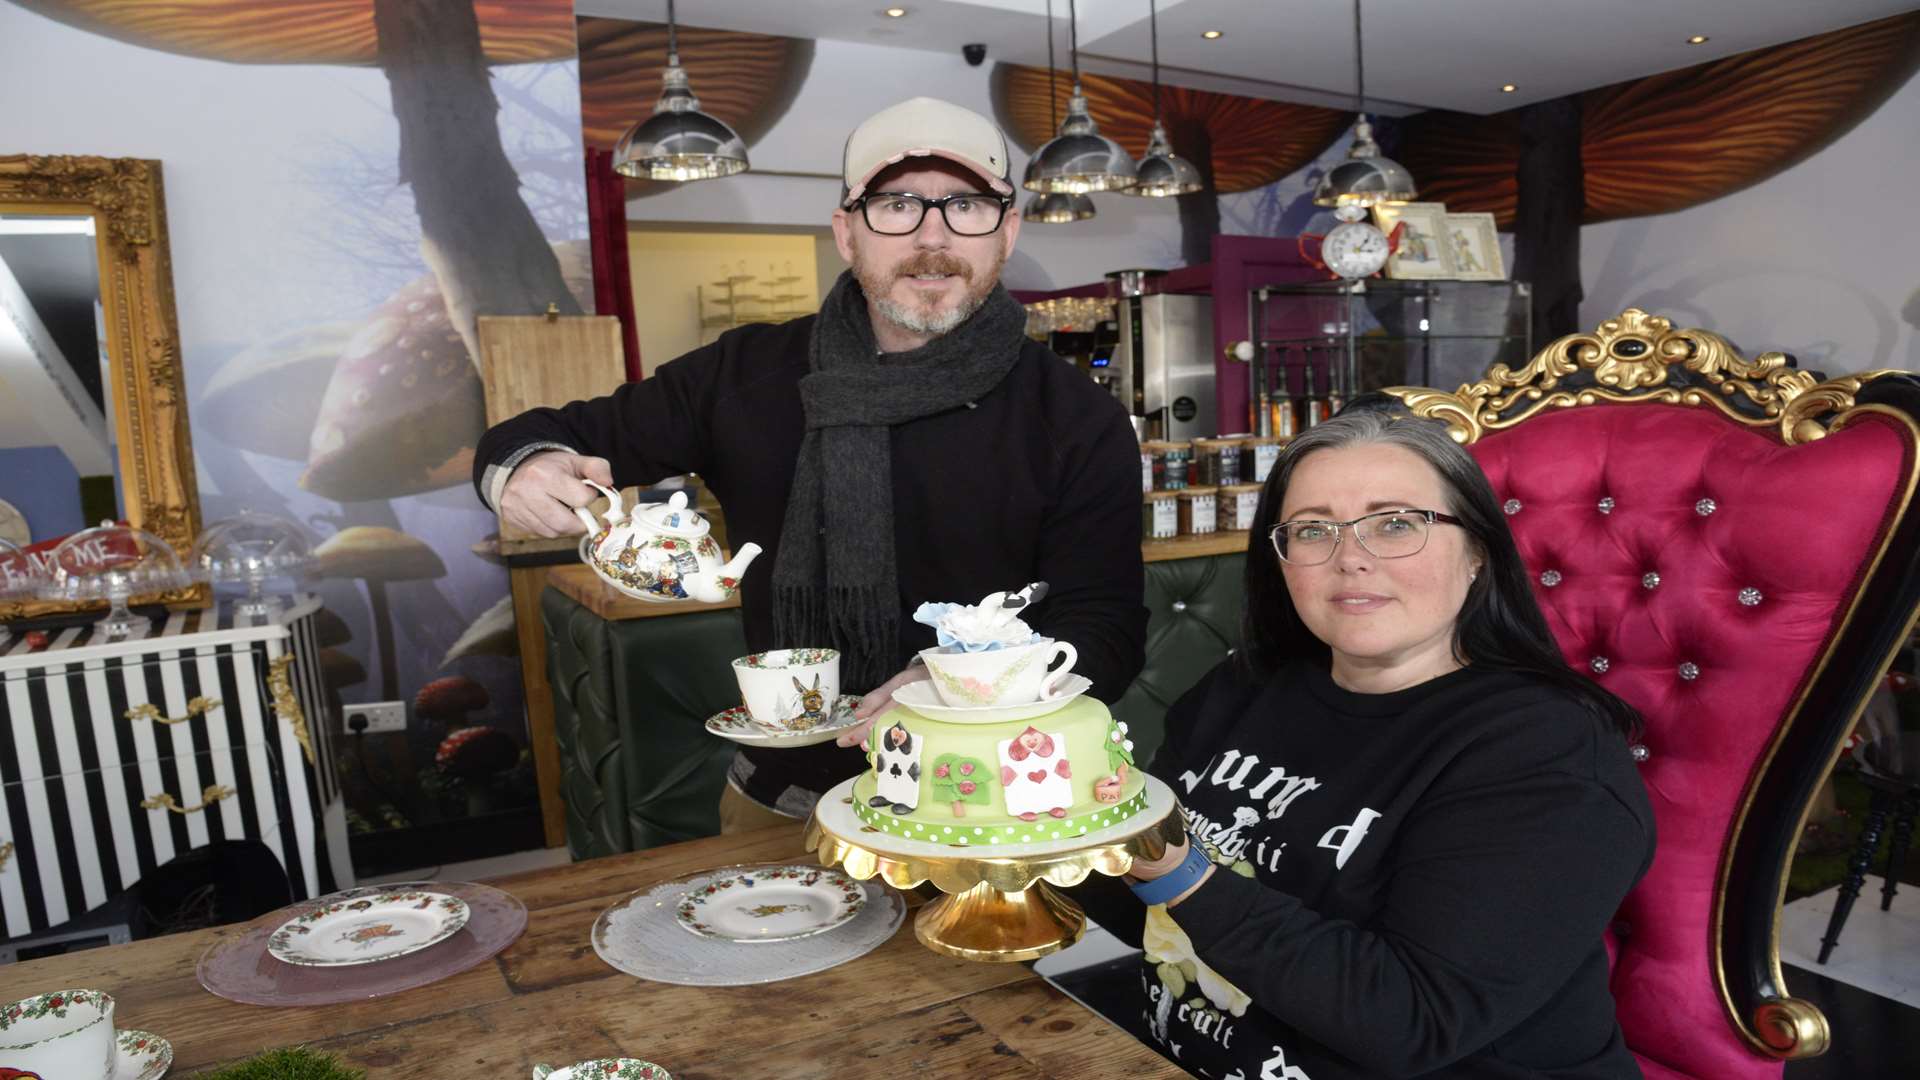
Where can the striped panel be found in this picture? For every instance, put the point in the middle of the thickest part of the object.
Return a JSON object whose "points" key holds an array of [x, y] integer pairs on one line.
{"points": [[70, 792]]}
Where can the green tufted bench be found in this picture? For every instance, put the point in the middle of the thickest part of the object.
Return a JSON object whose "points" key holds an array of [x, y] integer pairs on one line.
{"points": [[631, 696]]}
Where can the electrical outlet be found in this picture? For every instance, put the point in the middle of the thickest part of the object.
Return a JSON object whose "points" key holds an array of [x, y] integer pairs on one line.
{"points": [[368, 718]]}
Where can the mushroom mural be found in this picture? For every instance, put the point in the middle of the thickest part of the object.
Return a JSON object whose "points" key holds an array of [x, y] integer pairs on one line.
{"points": [[492, 634], [448, 699], [477, 234], [378, 555], [746, 80], [1680, 138], [266, 398], [1238, 143], [404, 406]]}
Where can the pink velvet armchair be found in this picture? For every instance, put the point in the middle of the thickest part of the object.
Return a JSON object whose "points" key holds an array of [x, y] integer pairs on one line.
{"points": [[1730, 545]]}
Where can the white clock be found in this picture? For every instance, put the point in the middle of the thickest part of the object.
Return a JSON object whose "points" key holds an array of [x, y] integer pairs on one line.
{"points": [[1354, 248]]}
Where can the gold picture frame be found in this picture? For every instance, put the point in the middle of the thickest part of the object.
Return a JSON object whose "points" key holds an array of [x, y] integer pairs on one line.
{"points": [[1421, 253], [128, 206], [1473, 242]]}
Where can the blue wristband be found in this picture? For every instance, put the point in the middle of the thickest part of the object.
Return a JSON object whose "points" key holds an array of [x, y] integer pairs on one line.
{"points": [[1175, 881]]}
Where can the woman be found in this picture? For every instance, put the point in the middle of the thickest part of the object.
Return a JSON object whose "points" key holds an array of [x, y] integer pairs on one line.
{"points": [[1409, 820]]}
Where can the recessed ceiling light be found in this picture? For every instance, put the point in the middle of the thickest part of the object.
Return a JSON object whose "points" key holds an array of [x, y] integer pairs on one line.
{"points": [[1697, 39], [895, 12], [1508, 88], [1210, 34]]}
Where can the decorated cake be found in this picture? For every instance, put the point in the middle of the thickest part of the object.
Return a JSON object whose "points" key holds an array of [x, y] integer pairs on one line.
{"points": [[994, 748]]}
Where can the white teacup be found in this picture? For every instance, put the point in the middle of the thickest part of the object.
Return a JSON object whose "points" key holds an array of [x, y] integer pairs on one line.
{"points": [[66, 1034], [789, 689], [1012, 676]]}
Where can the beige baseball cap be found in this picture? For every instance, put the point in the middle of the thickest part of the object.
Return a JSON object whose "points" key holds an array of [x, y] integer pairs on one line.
{"points": [[924, 127]]}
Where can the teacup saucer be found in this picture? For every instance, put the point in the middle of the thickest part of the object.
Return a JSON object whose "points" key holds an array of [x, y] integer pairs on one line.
{"points": [[922, 698], [736, 724], [141, 1055]]}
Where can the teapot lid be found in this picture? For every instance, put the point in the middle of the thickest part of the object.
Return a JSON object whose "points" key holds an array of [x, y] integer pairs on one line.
{"points": [[673, 518]]}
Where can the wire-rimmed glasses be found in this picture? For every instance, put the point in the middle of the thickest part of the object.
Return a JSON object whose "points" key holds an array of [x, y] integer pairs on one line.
{"points": [[1388, 534]]}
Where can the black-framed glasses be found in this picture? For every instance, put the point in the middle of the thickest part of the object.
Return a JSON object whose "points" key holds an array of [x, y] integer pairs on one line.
{"points": [[1389, 534], [968, 213]]}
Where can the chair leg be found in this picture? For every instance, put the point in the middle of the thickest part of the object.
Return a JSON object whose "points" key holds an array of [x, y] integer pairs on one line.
{"points": [[1897, 850], [1877, 812]]}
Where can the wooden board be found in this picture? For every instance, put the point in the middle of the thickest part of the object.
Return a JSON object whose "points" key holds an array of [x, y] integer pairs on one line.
{"points": [[585, 588], [532, 361]]}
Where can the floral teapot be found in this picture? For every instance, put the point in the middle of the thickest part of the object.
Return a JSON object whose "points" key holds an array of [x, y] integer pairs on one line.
{"points": [[660, 552]]}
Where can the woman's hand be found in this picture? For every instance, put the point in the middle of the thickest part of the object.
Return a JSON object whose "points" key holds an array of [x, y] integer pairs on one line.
{"points": [[1144, 870]]}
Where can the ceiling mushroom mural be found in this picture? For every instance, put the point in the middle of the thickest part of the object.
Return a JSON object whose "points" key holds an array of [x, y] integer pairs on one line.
{"points": [[1670, 141], [350, 183]]}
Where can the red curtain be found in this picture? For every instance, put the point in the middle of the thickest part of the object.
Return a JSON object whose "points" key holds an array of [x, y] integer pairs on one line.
{"points": [[607, 225]]}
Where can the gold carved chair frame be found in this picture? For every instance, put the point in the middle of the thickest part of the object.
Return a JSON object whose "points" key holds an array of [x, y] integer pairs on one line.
{"points": [[125, 199]]}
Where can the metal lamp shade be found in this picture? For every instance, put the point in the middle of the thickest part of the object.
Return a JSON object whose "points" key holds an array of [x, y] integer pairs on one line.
{"points": [[679, 142], [1163, 173], [1079, 160], [1367, 177], [1058, 208]]}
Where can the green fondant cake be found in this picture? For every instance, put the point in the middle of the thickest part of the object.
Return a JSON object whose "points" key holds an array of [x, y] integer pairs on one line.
{"points": [[1047, 778]]}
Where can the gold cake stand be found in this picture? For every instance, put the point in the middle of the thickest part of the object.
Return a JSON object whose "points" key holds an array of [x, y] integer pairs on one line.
{"points": [[1003, 902]]}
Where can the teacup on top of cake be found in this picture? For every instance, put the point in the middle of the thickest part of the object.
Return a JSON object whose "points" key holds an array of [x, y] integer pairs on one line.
{"points": [[970, 778]]}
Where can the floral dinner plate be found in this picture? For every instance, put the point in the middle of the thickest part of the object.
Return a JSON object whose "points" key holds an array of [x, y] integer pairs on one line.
{"points": [[141, 1055], [922, 698], [778, 903], [365, 925], [735, 724], [604, 1069]]}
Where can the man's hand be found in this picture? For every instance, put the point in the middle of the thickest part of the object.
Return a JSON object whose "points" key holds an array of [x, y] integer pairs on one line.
{"points": [[874, 704], [543, 491]]}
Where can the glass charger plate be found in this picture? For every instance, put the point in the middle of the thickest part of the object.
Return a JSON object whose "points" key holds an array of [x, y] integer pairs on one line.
{"points": [[239, 968], [642, 936]]}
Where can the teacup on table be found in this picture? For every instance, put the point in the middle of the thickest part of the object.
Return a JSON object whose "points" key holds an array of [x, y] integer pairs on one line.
{"points": [[789, 689], [1017, 675], [63, 1035]]}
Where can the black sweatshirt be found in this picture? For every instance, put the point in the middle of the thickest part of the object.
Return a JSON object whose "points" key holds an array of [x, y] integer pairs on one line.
{"points": [[1039, 480], [1412, 884]]}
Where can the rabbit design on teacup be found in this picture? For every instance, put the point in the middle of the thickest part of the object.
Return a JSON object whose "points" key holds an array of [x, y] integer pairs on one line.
{"points": [[813, 704]]}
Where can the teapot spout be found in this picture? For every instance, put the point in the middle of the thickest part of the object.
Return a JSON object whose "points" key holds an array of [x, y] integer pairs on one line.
{"points": [[725, 580], [737, 567]]}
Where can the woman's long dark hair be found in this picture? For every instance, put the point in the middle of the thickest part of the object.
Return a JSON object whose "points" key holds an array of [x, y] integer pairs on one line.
{"points": [[1500, 625]]}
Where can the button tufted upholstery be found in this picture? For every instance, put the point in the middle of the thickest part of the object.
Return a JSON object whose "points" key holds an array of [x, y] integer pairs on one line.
{"points": [[1742, 578]]}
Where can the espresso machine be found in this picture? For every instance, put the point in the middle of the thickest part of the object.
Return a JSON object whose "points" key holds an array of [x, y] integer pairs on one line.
{"points": [[1162, 360]]}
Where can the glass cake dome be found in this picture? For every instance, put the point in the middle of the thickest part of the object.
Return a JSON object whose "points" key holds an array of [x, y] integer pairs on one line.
{"points": [[114, 563], [255, 550], [20, 577]]}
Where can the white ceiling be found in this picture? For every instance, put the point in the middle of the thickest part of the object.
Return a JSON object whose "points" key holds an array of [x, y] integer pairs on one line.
{"points": [[1450, 54]]}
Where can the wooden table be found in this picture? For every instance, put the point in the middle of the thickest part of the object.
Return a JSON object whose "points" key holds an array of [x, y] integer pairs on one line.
{"points": [[898, 1011]]}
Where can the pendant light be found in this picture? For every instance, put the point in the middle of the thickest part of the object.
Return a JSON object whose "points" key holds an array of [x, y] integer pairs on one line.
{"points": [[1055, 208], [1366, 178], [1162, 172], [1079, 159], [678, 142]]}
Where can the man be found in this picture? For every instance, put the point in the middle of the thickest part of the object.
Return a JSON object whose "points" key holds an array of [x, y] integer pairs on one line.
{"points": [[906, 444]]}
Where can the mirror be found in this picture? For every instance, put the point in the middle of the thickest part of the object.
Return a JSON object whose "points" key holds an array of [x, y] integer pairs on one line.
{"points": [[93, 420]]}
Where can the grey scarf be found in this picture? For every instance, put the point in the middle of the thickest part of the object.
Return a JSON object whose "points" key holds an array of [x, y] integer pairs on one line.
{"points": [[835, 580]]}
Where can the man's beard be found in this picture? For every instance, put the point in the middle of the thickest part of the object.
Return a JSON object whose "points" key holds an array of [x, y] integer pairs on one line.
{"points": [[927, 319]]}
